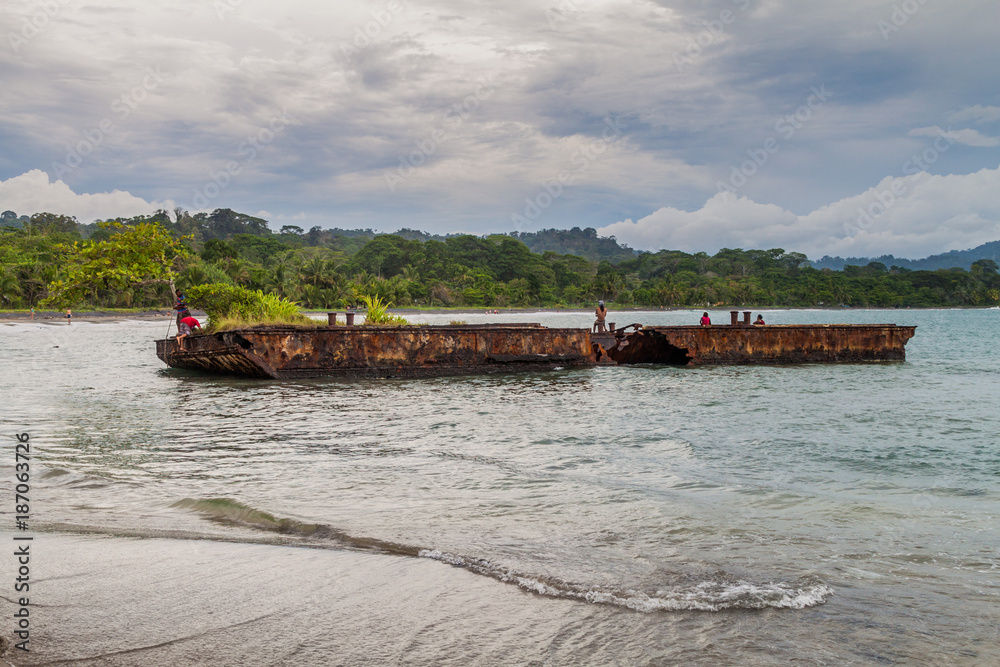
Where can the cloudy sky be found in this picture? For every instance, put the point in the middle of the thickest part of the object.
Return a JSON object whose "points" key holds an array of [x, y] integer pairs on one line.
{"points": [[851, 127]]}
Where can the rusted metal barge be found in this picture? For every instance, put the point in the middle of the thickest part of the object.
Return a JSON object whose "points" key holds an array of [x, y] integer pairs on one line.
{"points": [[415, 351], [772, 344], [379, 351]]}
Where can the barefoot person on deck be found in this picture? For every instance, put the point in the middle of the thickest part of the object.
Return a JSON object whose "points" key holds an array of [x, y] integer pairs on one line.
{"points": [[184, 329], [602, 315]]}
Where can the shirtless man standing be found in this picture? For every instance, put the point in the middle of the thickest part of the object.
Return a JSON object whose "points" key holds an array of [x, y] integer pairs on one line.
{"points": [[602, 314]]}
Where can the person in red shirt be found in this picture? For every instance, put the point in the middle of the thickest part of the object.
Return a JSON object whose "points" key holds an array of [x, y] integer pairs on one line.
{"points": [[760, 320], [184, 328], [705, 320]]}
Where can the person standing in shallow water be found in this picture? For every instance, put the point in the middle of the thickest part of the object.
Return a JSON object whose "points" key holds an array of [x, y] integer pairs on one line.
{"points": [[705, 321], [69, 316], [602, 315]]}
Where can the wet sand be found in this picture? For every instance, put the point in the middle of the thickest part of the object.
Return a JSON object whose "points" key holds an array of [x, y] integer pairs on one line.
{"points": [[116, 601], [121, 601]]}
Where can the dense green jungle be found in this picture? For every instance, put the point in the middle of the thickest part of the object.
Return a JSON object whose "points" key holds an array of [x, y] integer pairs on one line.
{"points": [[334, 268]]}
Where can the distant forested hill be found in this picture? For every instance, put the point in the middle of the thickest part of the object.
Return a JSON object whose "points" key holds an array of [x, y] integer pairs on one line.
{"points": [[580, 242], [949, 260]]}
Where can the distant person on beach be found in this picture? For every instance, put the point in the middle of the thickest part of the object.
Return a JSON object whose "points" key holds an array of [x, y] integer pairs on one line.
{"points": [[69, 316], [185, 328], [705, 321], [32, 314], [602, 315], [759, 320]]}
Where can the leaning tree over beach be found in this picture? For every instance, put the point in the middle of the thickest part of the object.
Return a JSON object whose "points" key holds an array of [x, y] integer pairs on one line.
{"points": [[133, 256]]}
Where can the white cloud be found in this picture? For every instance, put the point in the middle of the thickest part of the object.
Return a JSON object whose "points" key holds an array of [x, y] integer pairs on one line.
{"points": [[978, 114], [966, 136], [32, 192], [912, 216]]}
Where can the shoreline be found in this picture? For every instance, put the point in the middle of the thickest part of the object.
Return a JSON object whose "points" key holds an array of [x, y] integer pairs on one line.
{"points": [[59, 317], [54, 317]]}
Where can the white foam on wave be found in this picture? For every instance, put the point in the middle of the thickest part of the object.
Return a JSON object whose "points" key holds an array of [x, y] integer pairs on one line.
{"points": [[705, 596]]}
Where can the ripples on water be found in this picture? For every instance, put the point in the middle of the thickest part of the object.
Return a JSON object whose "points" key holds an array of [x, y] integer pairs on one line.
{"points": [[647, 489]]}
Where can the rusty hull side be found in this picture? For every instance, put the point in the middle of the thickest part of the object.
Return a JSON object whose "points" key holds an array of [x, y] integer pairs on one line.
{"points": [[771, 344], [212, 354], [373, 351]]}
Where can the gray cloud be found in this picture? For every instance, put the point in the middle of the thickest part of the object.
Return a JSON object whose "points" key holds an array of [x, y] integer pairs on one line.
{"points": [[361, 104]]}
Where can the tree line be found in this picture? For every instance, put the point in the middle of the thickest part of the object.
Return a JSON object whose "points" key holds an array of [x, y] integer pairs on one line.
{"points": [[325, 269]]}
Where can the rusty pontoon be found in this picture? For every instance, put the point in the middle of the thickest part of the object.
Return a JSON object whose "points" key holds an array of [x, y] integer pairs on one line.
{"points": [[416, 351], [379, 351]]}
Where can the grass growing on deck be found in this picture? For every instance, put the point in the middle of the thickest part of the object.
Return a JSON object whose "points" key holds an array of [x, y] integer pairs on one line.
{"points": [[232, 307], [378, 312]]}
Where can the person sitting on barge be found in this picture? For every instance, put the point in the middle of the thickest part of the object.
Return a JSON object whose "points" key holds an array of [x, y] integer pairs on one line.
{"points": [[760, 320], [705, 320]]}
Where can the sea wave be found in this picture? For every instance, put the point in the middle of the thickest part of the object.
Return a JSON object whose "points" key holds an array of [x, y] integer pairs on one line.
{"points": [[704, 596], [714, 595]]}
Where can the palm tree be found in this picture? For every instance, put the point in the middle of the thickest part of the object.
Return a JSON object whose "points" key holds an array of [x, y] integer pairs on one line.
{"points": [[410, 273], [313, 272], [312, 296], [238, 271], [10, 289], [611, 285], [341, 290], [194, 275], [276, 282]]}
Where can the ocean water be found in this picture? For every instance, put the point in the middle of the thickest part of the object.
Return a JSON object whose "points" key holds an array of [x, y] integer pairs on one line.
{"points": [[815, 514]]}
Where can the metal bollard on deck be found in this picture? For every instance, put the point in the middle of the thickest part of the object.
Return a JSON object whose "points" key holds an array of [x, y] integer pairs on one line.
{"points": [[350, 319], [746, 317], [331, 319], [735, 316]]}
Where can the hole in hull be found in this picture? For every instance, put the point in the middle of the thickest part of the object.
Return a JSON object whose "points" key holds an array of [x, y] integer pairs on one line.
{"points": [[649, 347]]}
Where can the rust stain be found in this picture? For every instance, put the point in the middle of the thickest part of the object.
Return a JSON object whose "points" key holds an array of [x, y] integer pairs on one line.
{"points": [[771, 344]]}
